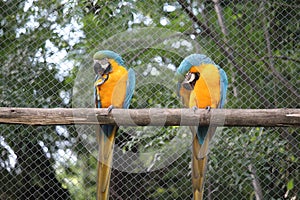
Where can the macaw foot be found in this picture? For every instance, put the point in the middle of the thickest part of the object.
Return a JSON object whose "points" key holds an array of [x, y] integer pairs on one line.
{"points": [[208, 108], [194, 108], [109, 109]]}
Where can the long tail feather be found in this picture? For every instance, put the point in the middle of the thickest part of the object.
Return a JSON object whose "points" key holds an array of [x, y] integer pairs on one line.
{"points": [[205, 142], [106, 147], [198, 168], [199, 161]]}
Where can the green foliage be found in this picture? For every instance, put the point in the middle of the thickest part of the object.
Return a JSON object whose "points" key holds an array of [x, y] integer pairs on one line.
{"points": [[28, 78], [227, 160]]}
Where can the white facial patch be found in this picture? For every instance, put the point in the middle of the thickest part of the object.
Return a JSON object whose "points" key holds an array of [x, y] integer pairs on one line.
{"points": [[104, 63], [190, 77]]}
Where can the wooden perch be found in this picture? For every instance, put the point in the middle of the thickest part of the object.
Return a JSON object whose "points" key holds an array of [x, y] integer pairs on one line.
{"points": [[151, 117]]}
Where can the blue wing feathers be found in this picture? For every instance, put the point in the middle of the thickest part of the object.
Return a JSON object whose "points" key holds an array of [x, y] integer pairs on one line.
{"points": [[130, 88], [202, 130], [223, 84]]}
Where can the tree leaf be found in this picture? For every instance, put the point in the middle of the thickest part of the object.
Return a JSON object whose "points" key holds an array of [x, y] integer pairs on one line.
{"points": [[290, 184]]}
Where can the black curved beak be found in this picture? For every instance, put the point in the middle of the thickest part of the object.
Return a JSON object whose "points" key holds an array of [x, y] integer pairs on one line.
{"points": [[98, 69]]}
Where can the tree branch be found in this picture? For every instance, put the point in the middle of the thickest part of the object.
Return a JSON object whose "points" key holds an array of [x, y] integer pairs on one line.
{"points": [[255, 183], [151, 117], [219, 13], [283, 58], [270, 64]]}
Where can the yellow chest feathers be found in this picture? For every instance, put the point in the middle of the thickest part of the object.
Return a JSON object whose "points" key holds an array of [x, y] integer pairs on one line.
{"points": [[113, 91], [207, 88]]}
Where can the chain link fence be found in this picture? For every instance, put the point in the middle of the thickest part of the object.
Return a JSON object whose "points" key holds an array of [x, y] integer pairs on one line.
{"points": [[46, 62]]}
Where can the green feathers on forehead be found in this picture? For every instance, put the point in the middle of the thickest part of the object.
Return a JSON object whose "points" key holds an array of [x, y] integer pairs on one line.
{"points": [[109, 54]]}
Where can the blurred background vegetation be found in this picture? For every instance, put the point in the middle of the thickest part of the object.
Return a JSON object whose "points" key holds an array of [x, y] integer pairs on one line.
{"points": [[46, 62]]}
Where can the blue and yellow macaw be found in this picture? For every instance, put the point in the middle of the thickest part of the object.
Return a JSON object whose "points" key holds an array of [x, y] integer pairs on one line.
{"points": [[114, 87], [202, 84]]}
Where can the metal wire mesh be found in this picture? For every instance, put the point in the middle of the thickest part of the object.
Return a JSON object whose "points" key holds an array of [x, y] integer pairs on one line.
{"points": [[46, 62]]}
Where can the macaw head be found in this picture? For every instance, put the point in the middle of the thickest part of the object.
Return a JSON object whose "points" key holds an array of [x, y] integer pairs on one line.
{"points": [[190, 61], [102, 63], [183, 74]]}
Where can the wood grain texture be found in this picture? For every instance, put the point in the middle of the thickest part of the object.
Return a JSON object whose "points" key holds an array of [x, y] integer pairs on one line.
{"points": [[151, 117]]}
